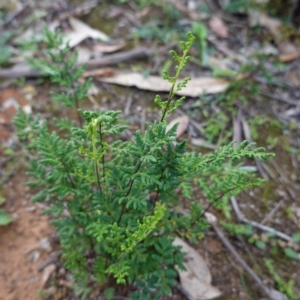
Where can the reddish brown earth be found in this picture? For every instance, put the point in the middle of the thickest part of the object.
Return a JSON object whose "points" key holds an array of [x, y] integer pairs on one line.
{"points": [[20, 252]]}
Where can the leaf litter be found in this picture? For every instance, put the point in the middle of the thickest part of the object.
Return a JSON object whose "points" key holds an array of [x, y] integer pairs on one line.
{"points": [[226, 51]]}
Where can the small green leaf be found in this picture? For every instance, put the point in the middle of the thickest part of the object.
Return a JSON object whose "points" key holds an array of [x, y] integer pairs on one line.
{"points": [[296, 237], [2, 200], [290, 253], [109, 293], [260, 244], [271, 234], [5, 218]]}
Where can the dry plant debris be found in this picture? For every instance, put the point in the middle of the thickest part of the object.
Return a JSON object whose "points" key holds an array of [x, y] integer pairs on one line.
{"points": [[228, 49]]}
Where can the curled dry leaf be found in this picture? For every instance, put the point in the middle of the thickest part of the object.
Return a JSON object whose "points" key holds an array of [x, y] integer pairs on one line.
{"points": [[84, 54], [195, 86], [182, 126], [82, 31], [102, 72], [197, 278], [48, 271], [274, 27], [217, 25], [104, 48]]}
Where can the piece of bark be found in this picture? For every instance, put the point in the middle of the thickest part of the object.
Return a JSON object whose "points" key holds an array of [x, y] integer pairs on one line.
{"points": [[112, 59]]}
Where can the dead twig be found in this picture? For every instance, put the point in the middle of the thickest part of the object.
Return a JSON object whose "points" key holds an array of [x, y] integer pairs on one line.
{"points": [[112, 59], [278, 98], [272, 212], [83, 8], [51, 260], [241, 218], [13, 15], [264, 171], [271, 293]]}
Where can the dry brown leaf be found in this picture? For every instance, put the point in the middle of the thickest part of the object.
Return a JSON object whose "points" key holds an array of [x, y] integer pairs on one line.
{"points": [[182, 126], [102, 72], [217, 25], [82, 31], [48, 271], [84, 54], [197, 278], [273, 25], [195, 87], [103, 48], [289, 57]]}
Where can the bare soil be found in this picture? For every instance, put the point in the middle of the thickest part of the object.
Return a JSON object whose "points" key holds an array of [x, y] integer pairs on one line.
{"points": [[29, 241], [20, 251]]}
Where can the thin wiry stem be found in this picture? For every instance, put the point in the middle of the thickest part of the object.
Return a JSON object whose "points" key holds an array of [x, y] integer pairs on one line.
{"points": [[171, 93], [128, 191], [98, 177], [102, 159]]}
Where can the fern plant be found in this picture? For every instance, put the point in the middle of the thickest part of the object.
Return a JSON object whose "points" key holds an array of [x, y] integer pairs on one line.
{"points": [[113, 202]]}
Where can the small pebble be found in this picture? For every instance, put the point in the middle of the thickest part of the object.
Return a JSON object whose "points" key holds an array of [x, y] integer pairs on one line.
{"points": [[35, 255], [50, 291], [30, 209], [15, 216], [45, 244], [48, 271]]}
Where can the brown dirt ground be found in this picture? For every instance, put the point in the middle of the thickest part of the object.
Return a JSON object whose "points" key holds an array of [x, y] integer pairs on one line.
{"points": [[19, 241]]}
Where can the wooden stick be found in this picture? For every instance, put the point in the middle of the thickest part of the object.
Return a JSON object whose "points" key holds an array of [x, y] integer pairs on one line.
{"points": [[271, 293], [107, 60]]}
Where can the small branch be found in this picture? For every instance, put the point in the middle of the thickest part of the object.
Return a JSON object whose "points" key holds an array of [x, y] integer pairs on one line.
{"points": [[271, 293], [160, 178], [102, 158], [217, 199], [14, 15], [113, 59], [98, 178], [240, 216], [128, 192]]}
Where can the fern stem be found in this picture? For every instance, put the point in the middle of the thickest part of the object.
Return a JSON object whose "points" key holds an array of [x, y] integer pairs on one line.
{"points": [[160, 178], [71, 213], [212, 202], [102, 158], [98, 177], [128, 192], [171, 93], [68, 174], [69, 75]]}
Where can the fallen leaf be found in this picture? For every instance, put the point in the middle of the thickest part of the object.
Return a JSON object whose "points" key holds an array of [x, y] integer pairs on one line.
{"points": [[104, 48], [82, 31], [217, 25], [47, 273], [197, 278], [84, 54], [289, 57], [102, 72], [195, 87], [182, 126], [274, 27]]}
